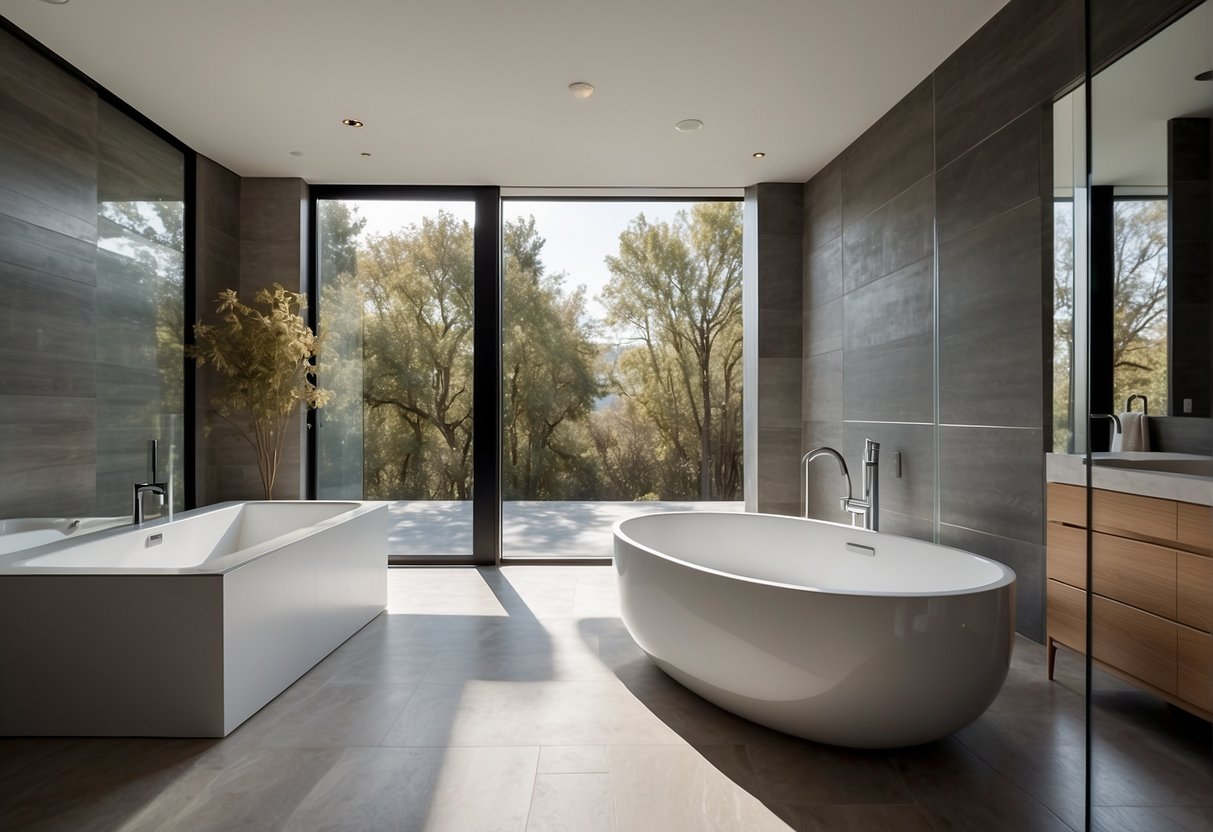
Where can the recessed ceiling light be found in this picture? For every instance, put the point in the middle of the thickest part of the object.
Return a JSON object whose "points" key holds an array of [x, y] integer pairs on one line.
{"points": [[581, 89], [760, 155], [296, 152], [1207, 75], [351, 122], [688, 125], [365, 155]]}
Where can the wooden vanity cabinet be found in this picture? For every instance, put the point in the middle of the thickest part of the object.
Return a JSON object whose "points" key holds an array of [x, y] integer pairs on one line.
{"points": [[1152, 585]]}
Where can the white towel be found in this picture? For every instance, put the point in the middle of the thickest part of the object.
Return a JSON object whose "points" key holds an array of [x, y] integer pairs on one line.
{"points": [[1134, 435]]}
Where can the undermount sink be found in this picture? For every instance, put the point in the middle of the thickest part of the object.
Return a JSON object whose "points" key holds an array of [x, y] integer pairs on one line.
{"points": [[1195, 466]]}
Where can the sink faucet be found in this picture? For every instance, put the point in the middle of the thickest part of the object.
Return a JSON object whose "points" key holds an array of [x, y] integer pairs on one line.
{"points": [[868, 506]]}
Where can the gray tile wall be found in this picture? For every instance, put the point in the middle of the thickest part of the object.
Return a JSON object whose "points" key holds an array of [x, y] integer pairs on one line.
{"points": [[944, 195], [773, 363], [251, 234], [924, 238], [48, 287]]}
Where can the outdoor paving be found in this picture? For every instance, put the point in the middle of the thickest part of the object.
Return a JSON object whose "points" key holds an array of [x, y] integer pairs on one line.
{"points": [[530, 529]]}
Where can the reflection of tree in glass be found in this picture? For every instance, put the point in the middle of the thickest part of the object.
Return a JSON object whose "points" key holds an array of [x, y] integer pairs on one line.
{"points": [[1139, 332], [1063, 325]]}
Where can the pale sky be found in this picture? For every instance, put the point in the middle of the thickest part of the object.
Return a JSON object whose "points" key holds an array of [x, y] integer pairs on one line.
{"points": [[579, 234]]}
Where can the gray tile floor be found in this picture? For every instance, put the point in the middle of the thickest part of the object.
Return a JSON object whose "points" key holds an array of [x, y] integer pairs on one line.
{"points": [[513, 699]]}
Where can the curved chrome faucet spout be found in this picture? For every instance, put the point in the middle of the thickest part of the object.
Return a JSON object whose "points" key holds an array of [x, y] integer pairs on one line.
{"points": [[842, 467]]}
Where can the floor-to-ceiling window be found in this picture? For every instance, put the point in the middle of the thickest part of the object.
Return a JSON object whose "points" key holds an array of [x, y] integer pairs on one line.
{"points": [[621, 367], [615, 376], [397, 282]]}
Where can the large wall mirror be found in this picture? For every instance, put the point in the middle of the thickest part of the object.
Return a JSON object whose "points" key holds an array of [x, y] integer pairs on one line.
{"points": [[1133, 328], [1150, 224]]}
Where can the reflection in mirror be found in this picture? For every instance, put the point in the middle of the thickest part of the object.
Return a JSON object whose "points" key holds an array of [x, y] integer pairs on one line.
{"points": [[1150, 526], [1150, 178]]}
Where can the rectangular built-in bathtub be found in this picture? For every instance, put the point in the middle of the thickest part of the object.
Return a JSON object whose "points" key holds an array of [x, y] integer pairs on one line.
{"points": [[183, 628]]}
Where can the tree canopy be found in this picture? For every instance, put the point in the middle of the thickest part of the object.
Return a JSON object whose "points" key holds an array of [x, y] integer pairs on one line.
{"points": [[653, 410]]}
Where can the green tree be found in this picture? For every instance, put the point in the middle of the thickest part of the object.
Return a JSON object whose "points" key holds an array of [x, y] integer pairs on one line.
{"points": [[675, 293], [1139, 324], [549, 384], [417, 360], [339, 228]]}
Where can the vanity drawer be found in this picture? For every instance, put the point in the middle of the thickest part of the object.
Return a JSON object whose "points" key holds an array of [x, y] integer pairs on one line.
{"points": [[1067, 614], [1134, 515], [1139, 574], [1066, 504], [1196, 526], [1138, 643], [1196, 668], [1195, 590], [1066, 560]]}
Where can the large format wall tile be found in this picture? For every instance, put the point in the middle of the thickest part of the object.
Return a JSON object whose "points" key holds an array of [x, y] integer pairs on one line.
{"points": [[891, 382], [779, 392], [823, 328], [899, 233], [49, 456], [896, 306], [997, 175], [1023, 56], [913, 493], [891, 155], [823, 206], [991, 359], [1119, 25], [822, 392], [992, 480], [823, 274]]}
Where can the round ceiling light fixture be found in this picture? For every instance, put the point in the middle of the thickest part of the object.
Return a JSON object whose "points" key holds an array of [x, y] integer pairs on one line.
{"points": [[1207, 75], [581, 89], [56, 2], [351, 122], [365, 155], [296, 152], [760, 155], [688, 125]]}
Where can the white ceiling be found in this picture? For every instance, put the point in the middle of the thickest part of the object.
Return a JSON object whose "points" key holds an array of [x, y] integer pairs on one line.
{"points": [[1134, 97], [474, 92]]}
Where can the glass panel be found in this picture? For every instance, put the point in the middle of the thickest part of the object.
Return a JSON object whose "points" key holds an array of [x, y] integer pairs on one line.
{"points": [[1150, 595], [396, 291], [622, 367], [140, 311]]}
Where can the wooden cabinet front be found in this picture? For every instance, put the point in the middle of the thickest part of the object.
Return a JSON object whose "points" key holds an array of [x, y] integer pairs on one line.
{"points": [[1196, 668], [1152, 589]]}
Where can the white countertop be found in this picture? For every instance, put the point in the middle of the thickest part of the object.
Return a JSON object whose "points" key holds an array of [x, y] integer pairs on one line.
{"points": [[1186, 488]]}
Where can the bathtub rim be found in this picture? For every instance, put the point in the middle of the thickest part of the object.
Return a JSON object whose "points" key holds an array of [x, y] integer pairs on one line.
{"points": [[14, 564], [1006, 579]]}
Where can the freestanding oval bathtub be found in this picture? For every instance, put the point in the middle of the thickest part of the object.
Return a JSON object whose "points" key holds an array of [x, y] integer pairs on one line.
{"points": [[839, 635]]}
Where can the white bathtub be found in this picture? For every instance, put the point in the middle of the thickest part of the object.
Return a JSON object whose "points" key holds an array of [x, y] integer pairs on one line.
{"points": [[18, 533], [781, 621], [183, 628]]}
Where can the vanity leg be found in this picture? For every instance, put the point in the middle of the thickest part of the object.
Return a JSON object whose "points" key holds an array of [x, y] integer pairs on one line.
{"points": [[1052, 657]]}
